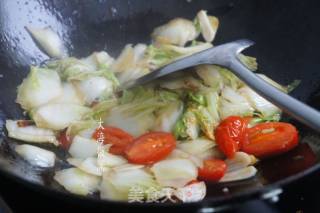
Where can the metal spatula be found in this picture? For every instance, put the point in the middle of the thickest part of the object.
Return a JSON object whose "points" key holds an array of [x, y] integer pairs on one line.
{"points": [[226, 55]]}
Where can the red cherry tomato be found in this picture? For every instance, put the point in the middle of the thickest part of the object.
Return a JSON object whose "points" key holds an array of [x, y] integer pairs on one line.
{"points": [[150, 148], [230, 133], [267, 139], [212, 170], [115, 136]]}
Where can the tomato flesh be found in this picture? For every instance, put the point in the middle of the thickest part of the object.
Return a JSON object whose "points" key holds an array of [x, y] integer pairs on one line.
{"points": [[212, 170], [267, 139], [150, 148], [118, 138], [64, 140], [229, 134]]}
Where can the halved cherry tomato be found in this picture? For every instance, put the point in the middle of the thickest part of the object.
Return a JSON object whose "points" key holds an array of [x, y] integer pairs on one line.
{"points": [[212, 170], [115, 136], [229, 134], [271, 138], [64, 140], [150, 148]]}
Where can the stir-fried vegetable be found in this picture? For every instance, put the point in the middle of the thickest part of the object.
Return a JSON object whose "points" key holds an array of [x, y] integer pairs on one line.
{"points": [[232, 103], [88, 165], [197, 147], [41, 86], [117, 183], [230, 135], [212, 170], [208, 25], [168, 116], [83, 148], [30, 133], [69, 95], [240, 161], [272, 138], [131, 64], [187, 126], [162, 137], [150, 148], [77, 181], [192, 192], [260, 104], [240, 174], [95, 88], [174, 172], [106, 159], [58, 116], [49, 41], [36, 156], [178, 31], [117, 138]]}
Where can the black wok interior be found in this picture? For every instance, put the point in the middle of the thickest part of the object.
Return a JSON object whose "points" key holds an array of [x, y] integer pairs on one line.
{"points": [[287, 47]]}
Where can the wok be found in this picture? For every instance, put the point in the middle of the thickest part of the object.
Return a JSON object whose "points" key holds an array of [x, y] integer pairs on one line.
{"points": [[287, 45]]}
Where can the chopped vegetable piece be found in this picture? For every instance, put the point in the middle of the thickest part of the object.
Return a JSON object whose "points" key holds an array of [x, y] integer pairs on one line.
{"points": [[230, 135], [69, 95], [36, 156], [208, 25], [240, 161], [58, 116], [168, 116], [177, 31], [197, 147], [64, 140], [38, 88], [118, 138], [150, 148], [118, 183], [106, 159], [187, 127], [95, 88], [49, 41], [267, 139], [240, 174], [212, 170], [193, 192], [174, 172], [31, 133], [83, 147], [77, 181], [233, 103], [88, 165], [260, 104]]}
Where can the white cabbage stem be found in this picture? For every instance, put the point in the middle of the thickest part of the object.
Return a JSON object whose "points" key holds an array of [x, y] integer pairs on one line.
{"points": [[36, 156]]}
